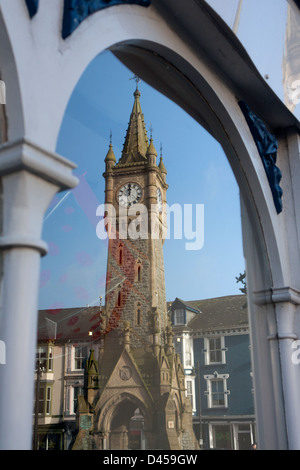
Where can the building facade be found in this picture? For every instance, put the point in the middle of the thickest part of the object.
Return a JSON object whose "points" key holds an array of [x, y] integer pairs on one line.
{"points": [[213, 339], [65, 338]]}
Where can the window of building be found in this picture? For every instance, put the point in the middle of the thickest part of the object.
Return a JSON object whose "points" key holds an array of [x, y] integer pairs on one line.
{"points": [[188, 359], [50, 441], [41, 357], [243, 434], [237, 436], [44, 358], [44, 400], [41, 399], [189, 390], [220, 436], [73, 391], [178, 347], [77, 391], [179, 316], [48, 401], [80, 356], [215, 351], [50, 358], [217, 393]]}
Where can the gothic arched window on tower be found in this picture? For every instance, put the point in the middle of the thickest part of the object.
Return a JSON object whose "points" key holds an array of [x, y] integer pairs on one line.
{"points": [[119, 299], [138, 314], [120, 255], [138, 271]]}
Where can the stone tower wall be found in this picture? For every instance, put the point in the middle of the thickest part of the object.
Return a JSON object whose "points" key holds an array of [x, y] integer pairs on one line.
{"points": [[128, 292], [132, 278]]}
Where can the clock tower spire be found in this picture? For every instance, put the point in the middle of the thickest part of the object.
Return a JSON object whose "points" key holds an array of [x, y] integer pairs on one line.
{"points": [[136, 140]]}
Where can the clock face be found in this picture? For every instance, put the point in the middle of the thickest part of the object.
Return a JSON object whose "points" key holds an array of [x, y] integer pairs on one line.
{"points": [[129, 194], [159, 199]]}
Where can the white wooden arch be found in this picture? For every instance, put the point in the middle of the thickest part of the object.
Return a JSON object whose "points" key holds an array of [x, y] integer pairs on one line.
{"points": [[41, 70]]}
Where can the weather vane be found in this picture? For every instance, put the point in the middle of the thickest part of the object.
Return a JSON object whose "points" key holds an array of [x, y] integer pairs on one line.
{"points": [[137, 80], [151, 131]]}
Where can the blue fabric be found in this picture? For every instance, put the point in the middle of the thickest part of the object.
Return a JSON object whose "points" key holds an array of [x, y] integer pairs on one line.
{"points": [[75, 11], [32, 6], [267, 146], [297, 3]]}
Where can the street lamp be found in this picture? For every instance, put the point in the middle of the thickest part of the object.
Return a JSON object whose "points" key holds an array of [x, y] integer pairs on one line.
{"points": [[39, 370], [199, 405]]}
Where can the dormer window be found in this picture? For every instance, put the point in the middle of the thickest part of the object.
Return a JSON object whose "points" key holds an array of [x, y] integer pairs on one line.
{"points": [[179, 316]]}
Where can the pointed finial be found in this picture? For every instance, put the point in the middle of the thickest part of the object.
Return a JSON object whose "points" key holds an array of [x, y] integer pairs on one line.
{"points": [[151, 152], [110, 156], [161, 165], [151, 131]]}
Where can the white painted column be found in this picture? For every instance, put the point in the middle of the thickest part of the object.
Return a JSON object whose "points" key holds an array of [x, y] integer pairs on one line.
{"points": [[274, 304], [286, 296], [267, 382], [30, 178], [287, 302]]}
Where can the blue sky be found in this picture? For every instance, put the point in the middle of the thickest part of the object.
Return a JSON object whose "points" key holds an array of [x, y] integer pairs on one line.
{"points": [[73, 273], [262, 30]]}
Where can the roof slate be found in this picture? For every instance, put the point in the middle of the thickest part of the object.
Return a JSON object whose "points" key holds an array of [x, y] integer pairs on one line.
{"points": [[220, 313], [69, 324]]}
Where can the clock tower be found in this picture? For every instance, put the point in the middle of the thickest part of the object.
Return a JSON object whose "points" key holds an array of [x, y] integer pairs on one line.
{"points": [[135, 389], [135, 193]]}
